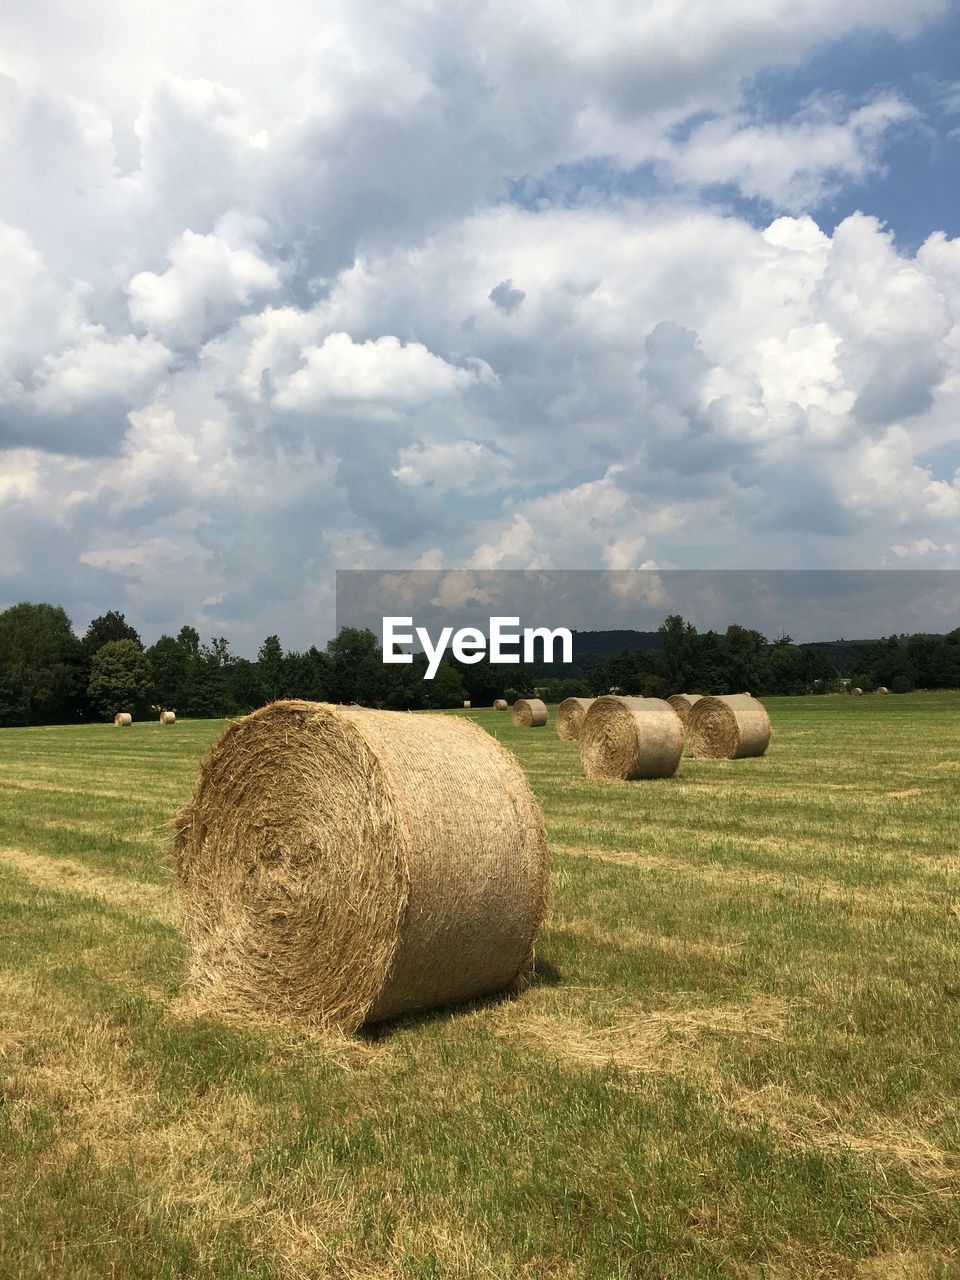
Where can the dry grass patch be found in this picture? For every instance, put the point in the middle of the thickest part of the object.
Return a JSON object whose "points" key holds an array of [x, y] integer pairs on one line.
{"points": [[659, 1041], [63, 875]]}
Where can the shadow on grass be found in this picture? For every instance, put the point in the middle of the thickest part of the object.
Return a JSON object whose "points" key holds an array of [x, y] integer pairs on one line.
{"points": [[544, 975]]}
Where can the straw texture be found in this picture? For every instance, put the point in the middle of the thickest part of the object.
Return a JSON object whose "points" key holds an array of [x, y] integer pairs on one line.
{"points": [[340, 865], [628, 738], [731, 727], [682, 702], [529, 713], [123, 719], [501, 704], [570, 715], [168, 717]]}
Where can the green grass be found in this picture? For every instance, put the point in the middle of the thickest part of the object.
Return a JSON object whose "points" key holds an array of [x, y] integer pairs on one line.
{"points": [[741, 1057]]}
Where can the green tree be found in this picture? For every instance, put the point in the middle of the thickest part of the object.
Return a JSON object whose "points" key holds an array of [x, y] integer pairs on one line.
{"points": [[679, 653], [120, 677], [41, 665], [207, 693], [188, 638], [303, 675], [743, 651], [170, 667], [246, 685], [445, 689], [270, 662], [109, 626], [355, 671]]}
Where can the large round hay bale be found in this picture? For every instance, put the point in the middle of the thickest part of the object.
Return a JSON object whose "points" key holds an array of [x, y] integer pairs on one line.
{"points": [[168, 717], [629, 738], [123, 719], [730, 727], [530, 713], [340, 865], [882, 688], [857, 693], [501, 704], [682, 702], [570, 715], [466, 704]]}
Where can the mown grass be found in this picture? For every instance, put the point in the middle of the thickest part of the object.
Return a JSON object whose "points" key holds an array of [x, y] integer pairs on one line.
{"points": [[741, 1056]]}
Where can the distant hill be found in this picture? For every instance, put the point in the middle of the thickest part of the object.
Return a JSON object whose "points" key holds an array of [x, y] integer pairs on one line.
{"points": [[845, 654], [605, 643]]}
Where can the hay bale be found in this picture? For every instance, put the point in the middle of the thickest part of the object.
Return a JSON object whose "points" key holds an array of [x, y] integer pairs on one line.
{"points": [[629, 738], [882, 688], [570, 715], [857, 693], [529, 713], [731, 727], [682, 702], [340, 865], [123, 719], [501, 704], [168, 717], [466, 704]]}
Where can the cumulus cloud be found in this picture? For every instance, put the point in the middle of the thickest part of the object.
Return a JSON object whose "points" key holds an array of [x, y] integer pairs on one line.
{"points": [[209, 281], [269, 303], [792, 164]]}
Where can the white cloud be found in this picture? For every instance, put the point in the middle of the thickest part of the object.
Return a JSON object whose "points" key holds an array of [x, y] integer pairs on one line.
{"points": [[209, 280], [383, 372], [794, 164], [226, 249]]}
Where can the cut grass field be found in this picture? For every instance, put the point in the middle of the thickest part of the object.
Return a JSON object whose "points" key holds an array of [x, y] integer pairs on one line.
{"points": [[741, 1056]]}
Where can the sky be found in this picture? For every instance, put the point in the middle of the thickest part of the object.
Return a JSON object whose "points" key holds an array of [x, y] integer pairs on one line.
{"points": [[657, 284]]}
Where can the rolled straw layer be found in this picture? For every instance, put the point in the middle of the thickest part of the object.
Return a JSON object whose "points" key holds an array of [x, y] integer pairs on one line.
{"points": [[529, 713], [682, 702], [340, 865], [731, 727], [570, 716], [628, 738]]}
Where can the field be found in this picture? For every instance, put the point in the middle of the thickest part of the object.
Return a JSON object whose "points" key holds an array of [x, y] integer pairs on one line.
{"points": [[741, 1056]]}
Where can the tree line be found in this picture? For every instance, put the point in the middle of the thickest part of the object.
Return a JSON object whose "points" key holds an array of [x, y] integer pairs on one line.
{"points": [[49, 674]]}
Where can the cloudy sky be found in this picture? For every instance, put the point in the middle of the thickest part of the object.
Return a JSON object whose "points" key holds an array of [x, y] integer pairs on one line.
{"points": [[299, 287]]}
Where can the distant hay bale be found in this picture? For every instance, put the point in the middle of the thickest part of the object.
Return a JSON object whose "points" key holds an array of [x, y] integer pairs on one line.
{"points": [[570, 715], [529, 713], [731, 727], [682, 702], [123, 719], [629, 738], [501, 704], [340, 865], [882, 688], [857, 693], [168, 717], [466, 704]]}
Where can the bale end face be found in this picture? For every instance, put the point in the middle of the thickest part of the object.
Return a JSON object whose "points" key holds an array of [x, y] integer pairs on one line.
{"points": [[625, 739], [339, 865], [730, 727], [570, 717], [682, 704], [501, 704], [529, 713]]}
